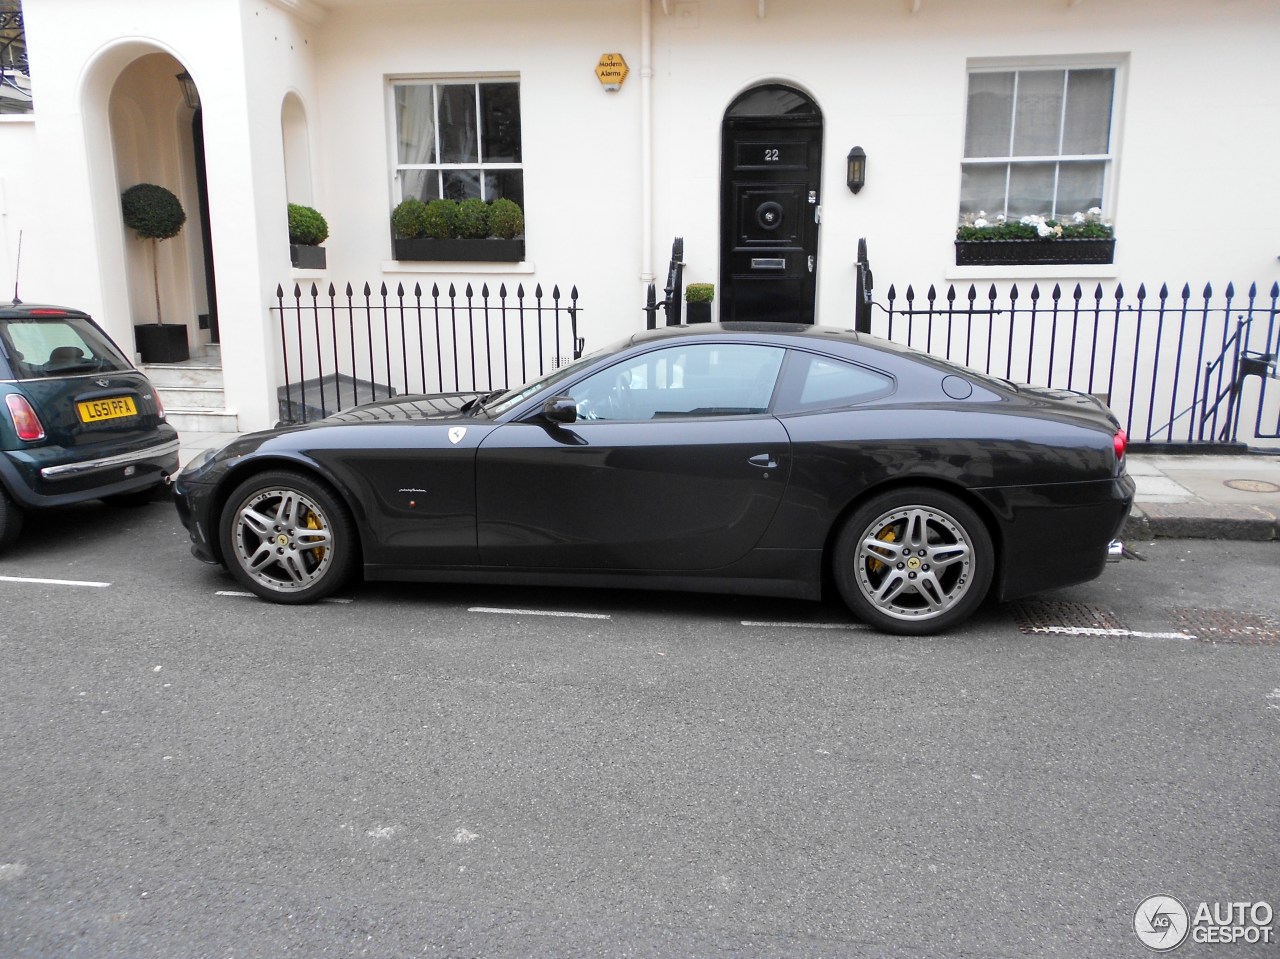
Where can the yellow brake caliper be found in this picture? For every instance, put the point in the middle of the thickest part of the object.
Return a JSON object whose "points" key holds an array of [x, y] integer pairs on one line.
{"points": [[886, 535], [313, 523]]}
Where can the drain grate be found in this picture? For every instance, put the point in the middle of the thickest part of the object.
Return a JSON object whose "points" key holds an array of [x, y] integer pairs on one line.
{"points": [[1227, 626], [1043, 616]]}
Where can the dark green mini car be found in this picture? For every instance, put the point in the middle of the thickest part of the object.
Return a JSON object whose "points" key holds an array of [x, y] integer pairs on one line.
{"points": [[77, 421]]}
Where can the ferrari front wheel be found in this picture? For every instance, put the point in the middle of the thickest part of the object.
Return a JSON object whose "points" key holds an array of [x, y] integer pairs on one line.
{"points": [[288, 537], [914, 561]]}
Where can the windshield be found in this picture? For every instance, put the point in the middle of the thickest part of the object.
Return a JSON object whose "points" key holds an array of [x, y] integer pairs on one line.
{"points": [[505, 401], [45, 346]]}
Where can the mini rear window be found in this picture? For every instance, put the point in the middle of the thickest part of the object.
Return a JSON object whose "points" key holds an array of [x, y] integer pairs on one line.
{"points": [[47, 346]]}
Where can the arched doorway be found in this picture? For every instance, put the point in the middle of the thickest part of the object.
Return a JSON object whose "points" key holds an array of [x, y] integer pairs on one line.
{"points": [[770, 175], [155, 131]]}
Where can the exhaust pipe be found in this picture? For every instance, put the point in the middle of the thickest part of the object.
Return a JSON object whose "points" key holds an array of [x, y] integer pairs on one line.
{"points": [[1115, 551]]}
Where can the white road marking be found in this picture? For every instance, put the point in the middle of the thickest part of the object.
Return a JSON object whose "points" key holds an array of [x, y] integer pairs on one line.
{"points": [[242, 595], [52, 582], [536, 612], [1099, 631], [748, 622]]}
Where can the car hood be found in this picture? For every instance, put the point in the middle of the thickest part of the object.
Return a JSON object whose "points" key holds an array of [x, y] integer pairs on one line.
{"points": [[427, 406]]}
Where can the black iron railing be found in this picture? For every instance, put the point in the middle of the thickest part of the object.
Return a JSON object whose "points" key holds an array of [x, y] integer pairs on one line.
{"points": [[1174, 367], [342, 349], [672, 301]]}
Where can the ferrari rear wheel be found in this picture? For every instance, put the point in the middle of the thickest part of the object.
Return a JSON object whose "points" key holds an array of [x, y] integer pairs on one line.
{"points": [[914, 561], [288, 537]]}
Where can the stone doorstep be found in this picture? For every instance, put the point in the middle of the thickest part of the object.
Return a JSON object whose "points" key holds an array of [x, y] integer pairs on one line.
{"points": [[1201, 521]]}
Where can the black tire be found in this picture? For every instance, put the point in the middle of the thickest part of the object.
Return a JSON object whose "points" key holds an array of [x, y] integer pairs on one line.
{"points": [[913, 561], [11, 516], [288, 537]]}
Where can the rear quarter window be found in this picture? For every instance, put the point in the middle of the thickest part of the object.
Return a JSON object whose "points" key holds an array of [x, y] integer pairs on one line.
{"points": [[814, 382]]}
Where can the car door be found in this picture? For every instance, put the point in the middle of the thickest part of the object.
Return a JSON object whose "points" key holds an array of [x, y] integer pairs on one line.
{"points": [[673, 464]]}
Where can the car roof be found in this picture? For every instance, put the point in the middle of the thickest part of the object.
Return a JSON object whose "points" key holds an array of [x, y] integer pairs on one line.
{"points": [[781, 331], [784, 334], [19, 310]]}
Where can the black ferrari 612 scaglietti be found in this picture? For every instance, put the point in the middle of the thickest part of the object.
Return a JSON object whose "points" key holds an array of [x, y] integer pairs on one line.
{"points": [[750, 459]]}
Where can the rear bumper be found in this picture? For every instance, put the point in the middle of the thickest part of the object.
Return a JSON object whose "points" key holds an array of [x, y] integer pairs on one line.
{"points": [[68, 470], [59, 476], [1056, 535]]}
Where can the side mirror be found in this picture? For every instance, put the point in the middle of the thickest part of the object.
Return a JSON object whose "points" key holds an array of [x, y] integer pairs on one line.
{"points": [[560, 410]]}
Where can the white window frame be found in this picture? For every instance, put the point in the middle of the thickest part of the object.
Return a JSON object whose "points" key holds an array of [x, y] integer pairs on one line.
{"points": [[1113, 61], [437, 81]]}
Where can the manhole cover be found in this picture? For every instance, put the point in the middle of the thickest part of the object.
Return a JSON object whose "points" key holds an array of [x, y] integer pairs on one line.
{"points": [[1041, 616], [1252, 486], [1228, 626]]}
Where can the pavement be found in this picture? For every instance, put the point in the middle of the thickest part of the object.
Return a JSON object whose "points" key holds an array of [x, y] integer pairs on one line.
{"points": [[1181, 496], [1195, 496]]}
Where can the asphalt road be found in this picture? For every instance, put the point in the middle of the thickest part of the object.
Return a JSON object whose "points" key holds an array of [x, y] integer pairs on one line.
{"points": [[427, 771]]}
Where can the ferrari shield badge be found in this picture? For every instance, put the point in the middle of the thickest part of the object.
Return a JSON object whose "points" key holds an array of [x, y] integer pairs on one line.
{"points": [[456, 433]]}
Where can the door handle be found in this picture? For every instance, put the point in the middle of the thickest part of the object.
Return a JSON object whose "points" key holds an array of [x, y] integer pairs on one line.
{"points": [[763, 461]]}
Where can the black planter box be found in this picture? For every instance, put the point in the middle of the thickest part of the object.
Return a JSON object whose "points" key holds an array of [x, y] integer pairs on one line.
{"points": [[487, 251], [697, 312], [161, 342], [1031, 252], [307, 257]]}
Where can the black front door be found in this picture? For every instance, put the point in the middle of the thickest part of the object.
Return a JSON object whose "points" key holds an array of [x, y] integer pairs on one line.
{"points": [[770, 206]]}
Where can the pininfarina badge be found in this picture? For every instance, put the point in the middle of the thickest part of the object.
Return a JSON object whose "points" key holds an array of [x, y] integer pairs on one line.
{"points": [[456, 433]]}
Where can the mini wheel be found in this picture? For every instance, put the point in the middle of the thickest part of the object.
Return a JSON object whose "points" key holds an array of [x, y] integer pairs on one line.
{"points": [[288, 537], [914, 561], [10, 519]]}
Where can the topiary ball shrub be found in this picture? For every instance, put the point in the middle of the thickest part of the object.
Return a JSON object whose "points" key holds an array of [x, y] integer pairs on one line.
{"points": [[699, 293], [306, 226], [473, 219], [408, 219], [506, 220], [440, 220], [153, 211]]}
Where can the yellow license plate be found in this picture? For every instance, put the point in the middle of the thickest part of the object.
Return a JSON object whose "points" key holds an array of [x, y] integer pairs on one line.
{"points": [[93, 411]]}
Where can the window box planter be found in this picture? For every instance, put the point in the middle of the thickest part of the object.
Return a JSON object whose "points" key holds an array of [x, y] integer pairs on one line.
{"points": [[161, 342], [1033, 252], [307, 257], [491, 250]]}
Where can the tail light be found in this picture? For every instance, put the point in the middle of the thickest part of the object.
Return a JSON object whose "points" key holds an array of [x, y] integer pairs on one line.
{"points": [[155, 395], [1121, 443], [25, 420]]}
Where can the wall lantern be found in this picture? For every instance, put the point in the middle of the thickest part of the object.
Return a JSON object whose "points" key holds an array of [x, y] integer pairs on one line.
{"points": [[857, 172], [189, 91]]}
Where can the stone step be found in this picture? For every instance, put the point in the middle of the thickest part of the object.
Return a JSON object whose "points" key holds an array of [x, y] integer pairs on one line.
{"points": [[192, 397], [202, 420], [164, 376]]}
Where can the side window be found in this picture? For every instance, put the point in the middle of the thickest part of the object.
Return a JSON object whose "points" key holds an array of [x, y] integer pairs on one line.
{"points": [[1038, 141], [458, 139], [15, 72], [819, 382], [710, 379]]}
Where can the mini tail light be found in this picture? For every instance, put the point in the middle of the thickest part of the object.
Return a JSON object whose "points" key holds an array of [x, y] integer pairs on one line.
{"points": [[155, 395], [1121, 443], [25, 420]]}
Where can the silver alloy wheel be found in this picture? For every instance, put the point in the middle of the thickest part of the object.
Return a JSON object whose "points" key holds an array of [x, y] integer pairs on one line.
{"points": [[914, 563], [283, 539]]}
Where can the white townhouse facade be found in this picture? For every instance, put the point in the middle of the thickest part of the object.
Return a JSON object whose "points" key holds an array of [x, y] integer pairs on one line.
{"points": [[732, 125]]}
